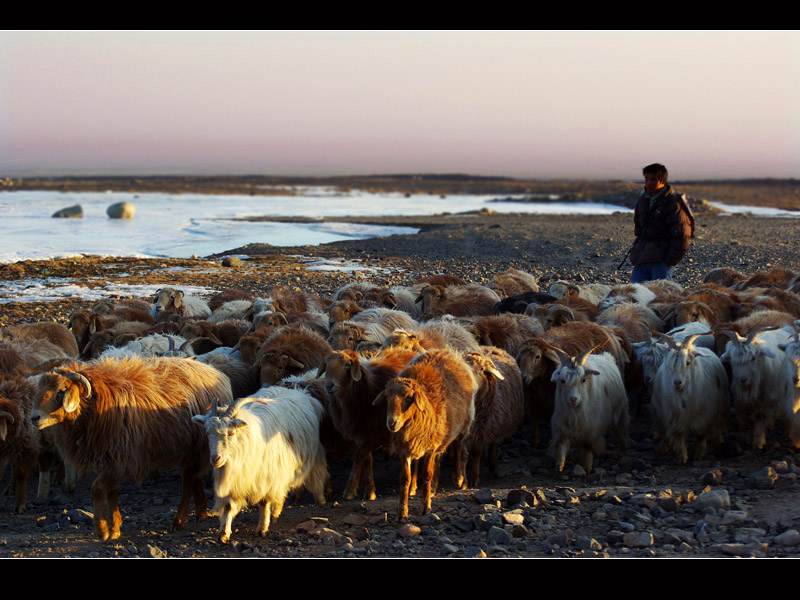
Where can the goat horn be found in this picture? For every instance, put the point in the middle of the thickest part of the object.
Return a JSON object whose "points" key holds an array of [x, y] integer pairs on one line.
{"points": [[580, 360]]}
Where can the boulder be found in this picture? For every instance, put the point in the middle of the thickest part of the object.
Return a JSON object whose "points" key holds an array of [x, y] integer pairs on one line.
{"points": [[70, 212], [121, 210]]}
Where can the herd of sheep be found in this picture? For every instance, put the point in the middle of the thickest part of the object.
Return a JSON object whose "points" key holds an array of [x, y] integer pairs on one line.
{"points": [[267, 392]]}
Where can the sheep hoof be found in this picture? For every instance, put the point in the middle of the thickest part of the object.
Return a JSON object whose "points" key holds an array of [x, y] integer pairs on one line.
{"points": [[224, 538]]}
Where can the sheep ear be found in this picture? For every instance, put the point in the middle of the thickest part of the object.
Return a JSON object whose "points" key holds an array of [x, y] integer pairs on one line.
{"points": [[769, 353], [379, 398], [200, 419], [355, 370], [72, 398], [591, 372]]}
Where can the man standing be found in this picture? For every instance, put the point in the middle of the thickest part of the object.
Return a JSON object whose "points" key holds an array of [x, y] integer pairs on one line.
{"points": [[663, 226]]}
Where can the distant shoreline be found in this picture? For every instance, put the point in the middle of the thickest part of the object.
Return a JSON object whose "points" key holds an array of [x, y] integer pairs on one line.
{"points": [[775, 193]]}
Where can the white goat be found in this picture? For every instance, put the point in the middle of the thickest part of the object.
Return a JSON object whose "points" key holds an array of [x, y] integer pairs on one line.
{"points": [[756, 363], [590, 400], [690, 398], [262, 448]]}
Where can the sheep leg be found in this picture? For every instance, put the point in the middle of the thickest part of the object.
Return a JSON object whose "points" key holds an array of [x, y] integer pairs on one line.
{"points": [[359, 464], [700, 449], [226, 516], [680, 448], [263, 517], [494, 452], [45, 463], [474, 468], [459, 466], [414, 470], [429, 473], [405, 484], [101, 491], [188, 490], [113, 511], [21, 486]]}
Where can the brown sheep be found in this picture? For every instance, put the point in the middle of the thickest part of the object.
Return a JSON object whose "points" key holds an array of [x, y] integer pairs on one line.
{"points": [[351, 384], [429, 406], [499, 406], [55, 333], [290, 350], [122, 418]]}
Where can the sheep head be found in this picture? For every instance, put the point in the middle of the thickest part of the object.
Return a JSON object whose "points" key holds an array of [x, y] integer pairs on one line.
{"points": [[402, 396], [340, 368], [59, 396]]}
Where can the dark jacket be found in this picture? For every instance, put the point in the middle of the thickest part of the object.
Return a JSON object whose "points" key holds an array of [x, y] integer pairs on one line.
{"points": [[662, 229]]}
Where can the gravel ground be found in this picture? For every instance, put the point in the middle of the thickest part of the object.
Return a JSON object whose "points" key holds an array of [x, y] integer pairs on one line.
{"points": [[635, 503]]}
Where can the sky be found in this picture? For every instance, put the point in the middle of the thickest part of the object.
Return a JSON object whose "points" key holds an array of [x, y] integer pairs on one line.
{"points": [[531, 104]]}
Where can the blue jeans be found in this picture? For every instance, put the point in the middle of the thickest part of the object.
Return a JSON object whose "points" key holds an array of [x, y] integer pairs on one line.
{"points": [[650, 271]]}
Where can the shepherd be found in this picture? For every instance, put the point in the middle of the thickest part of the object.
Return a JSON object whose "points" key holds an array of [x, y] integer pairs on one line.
{"points": [[663, 225]]}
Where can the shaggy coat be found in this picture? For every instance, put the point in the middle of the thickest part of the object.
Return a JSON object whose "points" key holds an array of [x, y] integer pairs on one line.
{"points": [[429, 406], [690, 398], [262, 448], [351, 384], [120, 418], [590, 401], [756, 363], [55, 333], [20, 442], [499, 406], [290, 350]]}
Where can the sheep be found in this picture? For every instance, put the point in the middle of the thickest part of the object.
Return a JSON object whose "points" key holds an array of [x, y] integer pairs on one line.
{"points": [[351, 384], [590, 400], [519, 302], [429, 406], [756, 363], [206, 336], [171, 300], [499, 406], [458, 301], [514, 281], [240, 373], [20, 441], [508, 331], [224, 297], [151, 346], [55, 333], [347, 335], [624, 293], [690, 398], [594, 293], [232, 309], [120, 418], [289, 350], [262, 448], [22, 357]]}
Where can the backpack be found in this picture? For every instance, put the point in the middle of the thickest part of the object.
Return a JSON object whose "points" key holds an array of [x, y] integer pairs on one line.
{"points": [[684, 204]]}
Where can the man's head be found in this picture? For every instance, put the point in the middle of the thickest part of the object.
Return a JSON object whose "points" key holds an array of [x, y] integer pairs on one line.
{"points": [[655, 178]]}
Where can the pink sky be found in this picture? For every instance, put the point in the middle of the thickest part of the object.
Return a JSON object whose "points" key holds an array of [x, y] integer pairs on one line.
{"points": [[525, 104]]}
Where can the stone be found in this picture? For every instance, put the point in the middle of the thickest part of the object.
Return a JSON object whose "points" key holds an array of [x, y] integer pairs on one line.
{"points": [[714, 499], [70, 212], [121, 210], [232, 261]]}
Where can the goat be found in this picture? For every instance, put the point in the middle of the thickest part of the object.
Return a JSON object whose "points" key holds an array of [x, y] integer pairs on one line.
{"points": [[262, 448], [756, 362], [590, 400], [690, 398], [121, 418], [289, 350], [429, 406]]}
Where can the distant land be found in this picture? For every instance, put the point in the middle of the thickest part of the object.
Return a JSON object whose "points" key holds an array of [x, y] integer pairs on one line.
{"points": [[777, 193]]}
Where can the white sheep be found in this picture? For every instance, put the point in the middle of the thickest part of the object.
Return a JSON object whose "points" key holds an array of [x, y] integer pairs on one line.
{"points": [[262, 448], [590, 401], [171, 300], [690, 398]]}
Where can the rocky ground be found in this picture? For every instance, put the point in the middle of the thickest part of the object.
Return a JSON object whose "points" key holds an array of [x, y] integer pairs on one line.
{"points": [[635, 503]]}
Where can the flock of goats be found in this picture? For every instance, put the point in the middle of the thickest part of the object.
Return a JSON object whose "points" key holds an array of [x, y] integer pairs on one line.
{"points": [[268, 391]]}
